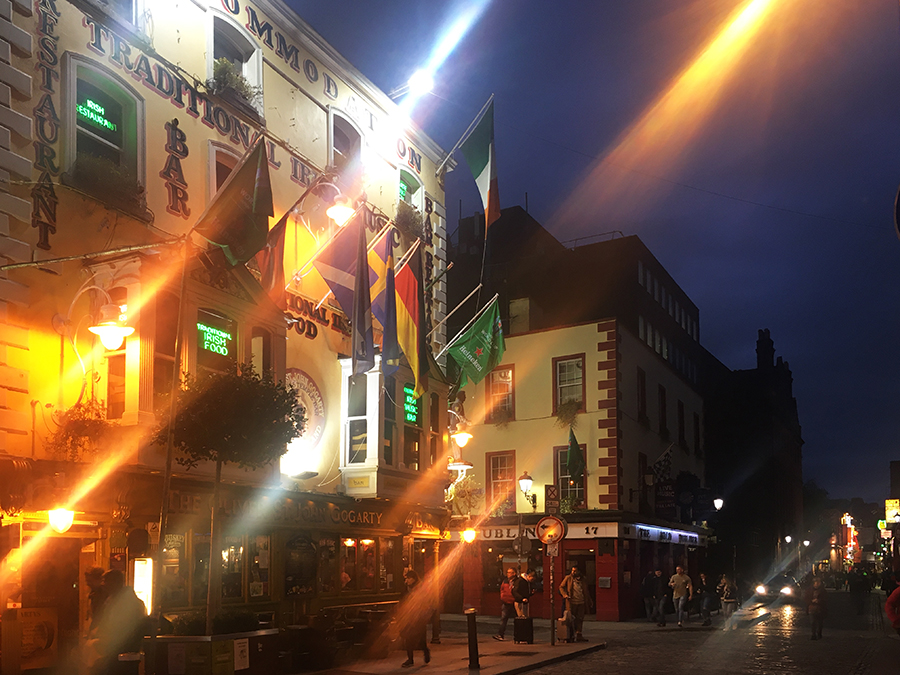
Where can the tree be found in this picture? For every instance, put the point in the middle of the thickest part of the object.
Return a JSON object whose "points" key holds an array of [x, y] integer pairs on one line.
{"points": [[241, 418]]}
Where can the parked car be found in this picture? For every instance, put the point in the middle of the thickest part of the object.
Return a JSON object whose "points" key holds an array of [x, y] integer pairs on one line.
{"points": [[782, 587]]}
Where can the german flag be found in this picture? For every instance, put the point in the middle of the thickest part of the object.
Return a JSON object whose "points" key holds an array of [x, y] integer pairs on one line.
{"points": [[411, 316]]}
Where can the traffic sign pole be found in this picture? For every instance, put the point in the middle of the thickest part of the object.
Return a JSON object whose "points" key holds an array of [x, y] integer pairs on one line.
{"points": [[552, 594]]}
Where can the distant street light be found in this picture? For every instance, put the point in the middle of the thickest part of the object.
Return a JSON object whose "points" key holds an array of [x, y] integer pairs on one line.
{"points": [[788, 539], [806, 542], [718, 502]]}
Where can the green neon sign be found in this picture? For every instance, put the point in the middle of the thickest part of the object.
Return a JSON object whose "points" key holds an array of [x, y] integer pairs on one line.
{"points": [[95, 113], [213, 339], [404, 188], [411, 407]]}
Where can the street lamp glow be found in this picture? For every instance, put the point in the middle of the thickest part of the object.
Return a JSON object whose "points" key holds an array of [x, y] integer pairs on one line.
{"points": [[788, 539], [468, 535], [61, 519], [806, 542], [525, 483], [718, 502], [341, 211], [111, 328]]}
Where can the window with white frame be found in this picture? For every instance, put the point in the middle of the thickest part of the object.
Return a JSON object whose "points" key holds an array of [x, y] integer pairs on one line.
{"points": [[346, 144], [234, 44], [501, 474], [410, 190], [500, 396], [570, 490], [568, 380], [356, 420]]}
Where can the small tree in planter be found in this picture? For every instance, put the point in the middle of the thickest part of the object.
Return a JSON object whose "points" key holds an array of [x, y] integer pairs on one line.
{"points": [[236, 417]]}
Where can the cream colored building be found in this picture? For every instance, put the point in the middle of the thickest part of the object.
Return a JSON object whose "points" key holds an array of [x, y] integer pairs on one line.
{"points": [[112, 136]]}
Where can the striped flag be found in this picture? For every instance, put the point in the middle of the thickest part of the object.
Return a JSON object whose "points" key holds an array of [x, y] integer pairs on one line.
{"points": [[337, 264], [384, 299], [411, 316], [482, 160]]}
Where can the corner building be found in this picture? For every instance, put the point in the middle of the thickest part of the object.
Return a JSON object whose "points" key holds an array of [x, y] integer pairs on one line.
{"points": [[604, 331], [113, 137]]}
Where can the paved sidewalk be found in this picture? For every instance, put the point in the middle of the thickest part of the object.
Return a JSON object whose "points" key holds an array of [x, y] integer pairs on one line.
{"points": [[495, 658]]}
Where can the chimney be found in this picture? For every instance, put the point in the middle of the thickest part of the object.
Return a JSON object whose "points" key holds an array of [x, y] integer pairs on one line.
{"points": [[765, 351]]}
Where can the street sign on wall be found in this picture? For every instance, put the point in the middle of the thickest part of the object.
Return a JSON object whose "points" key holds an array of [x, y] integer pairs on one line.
{"points": [[551, 499]]}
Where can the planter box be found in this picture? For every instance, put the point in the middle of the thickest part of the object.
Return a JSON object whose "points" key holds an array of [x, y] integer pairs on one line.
{"points": [[250, 653]]}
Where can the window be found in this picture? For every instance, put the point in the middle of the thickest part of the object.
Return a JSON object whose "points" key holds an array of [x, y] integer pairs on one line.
{"points": [[261, 350], [348, 576], [434, 439], [327, 568], [223, 163], [642, 328], [569, 490], [356, 418], [346, 144], [366, 564], [174, 581], [412, 429], [697, 450], [216, 341], [164, 346], [232, 568], [259, 566], [641, 394], [300, 566], [386, 565], [107, 118], [200, 564], [663, 421], [232, 43], [409, 189], [568, 381], [500, 402], [501, 479], [389, 405], [682, 438]]}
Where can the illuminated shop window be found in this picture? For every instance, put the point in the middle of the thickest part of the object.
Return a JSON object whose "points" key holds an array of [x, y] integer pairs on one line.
{"points": [[410, 190], [387, 565], [300, 566], [348, 564], [199, 567], [232, 568], [175, 571], [216, 341]]}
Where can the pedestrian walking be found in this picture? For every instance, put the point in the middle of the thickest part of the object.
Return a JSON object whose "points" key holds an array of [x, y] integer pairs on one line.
{"points": [[578, 602], [892, 607], [96, 597], [121, 628], [817, 607], [858, 583], [522, 592], [705, 593], [414, 613], [728, 595], [507, 602], [681, 592], [648, 588], [660, 597]]}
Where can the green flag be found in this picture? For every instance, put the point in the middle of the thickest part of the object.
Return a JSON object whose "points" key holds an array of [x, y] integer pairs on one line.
{"points": [[480, 348], [574, 459]]}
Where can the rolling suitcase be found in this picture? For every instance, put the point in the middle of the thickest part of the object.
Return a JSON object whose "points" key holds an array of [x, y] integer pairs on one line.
{"points": [[523, 630], [562, 630]]}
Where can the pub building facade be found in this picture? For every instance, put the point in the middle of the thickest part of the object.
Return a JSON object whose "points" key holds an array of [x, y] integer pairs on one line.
{"points": [[114, 138], [621, 514]]}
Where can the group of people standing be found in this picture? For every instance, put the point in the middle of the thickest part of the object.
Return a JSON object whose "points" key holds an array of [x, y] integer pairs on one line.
{"points": [[656, 590], [515, 591]]}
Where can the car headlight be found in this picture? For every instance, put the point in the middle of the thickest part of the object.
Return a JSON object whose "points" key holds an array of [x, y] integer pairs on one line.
{"points": [[787, 590], [761, 590]]}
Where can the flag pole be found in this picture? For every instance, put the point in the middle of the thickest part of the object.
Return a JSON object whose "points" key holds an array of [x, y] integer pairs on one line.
{"points": [[474, 318], [465, 135], [444, 320]]}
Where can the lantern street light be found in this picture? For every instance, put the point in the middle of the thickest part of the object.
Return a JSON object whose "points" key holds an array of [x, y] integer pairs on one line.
{"points": [[718, 503], [525, 483], [61, 519]]}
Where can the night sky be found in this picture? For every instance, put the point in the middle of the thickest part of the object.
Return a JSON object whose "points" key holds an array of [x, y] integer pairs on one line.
{"points": [[764, 184]]}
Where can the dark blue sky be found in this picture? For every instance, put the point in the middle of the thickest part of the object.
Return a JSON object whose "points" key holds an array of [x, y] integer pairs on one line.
{"points": [[776, 214]]}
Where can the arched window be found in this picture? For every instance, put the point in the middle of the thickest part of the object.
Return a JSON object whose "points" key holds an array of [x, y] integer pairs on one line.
{"points": [[346, 143], [222, 160], [261, 350], [410, 190], [107, 118], [233, 43]]}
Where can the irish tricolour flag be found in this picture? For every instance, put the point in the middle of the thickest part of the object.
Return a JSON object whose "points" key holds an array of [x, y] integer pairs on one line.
{"points": [[481, 158]]}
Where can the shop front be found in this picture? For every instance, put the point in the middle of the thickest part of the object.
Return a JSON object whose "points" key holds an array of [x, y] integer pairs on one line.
{"points": [[613, 556]]}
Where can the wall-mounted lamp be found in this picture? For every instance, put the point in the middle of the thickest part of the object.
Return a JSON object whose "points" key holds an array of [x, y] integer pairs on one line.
{"points": [[110, 326], [461, 434], [340, 210], [61, 519], [788, 539], [525, 483], [468, 535]]}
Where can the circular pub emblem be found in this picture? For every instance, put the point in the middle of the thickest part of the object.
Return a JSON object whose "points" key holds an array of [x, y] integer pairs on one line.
{"points": [[311, 398]]}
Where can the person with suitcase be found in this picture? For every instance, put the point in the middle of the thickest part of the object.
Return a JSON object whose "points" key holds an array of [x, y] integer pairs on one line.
{"points": [[523, 625], [507, 602]]}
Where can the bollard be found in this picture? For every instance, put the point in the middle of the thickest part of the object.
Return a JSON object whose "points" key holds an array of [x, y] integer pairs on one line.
{"points": [[473, 639]]}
